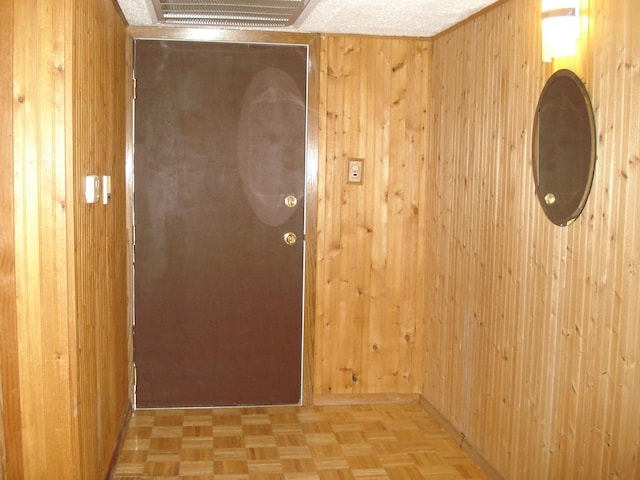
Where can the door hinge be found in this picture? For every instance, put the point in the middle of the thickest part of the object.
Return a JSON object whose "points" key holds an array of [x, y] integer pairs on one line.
{"points": [[135, 384], [135, 88]]}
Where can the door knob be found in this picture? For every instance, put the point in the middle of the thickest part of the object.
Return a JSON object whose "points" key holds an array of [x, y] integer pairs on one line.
{"points": [[291, 201], [549, 199], [290, 238]]}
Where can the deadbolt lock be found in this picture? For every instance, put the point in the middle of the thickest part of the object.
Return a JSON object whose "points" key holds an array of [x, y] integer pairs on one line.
{"points": [[290, 238]]}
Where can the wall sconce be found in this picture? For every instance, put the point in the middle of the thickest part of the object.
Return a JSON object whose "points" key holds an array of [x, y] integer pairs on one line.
{"points": [[560, 28]]}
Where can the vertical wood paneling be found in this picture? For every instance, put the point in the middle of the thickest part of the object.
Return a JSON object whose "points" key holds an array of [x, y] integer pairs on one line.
{"points": [[532, 331], [100, 103], [373, 96], [10, 434], [40, 221], [63, 395]]}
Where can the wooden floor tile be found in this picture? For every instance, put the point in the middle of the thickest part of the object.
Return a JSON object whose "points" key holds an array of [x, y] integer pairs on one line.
{"points": [[366, 442]]}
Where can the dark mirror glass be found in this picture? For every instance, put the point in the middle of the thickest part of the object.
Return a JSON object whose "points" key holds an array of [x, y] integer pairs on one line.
{"points": [[564, 148]]}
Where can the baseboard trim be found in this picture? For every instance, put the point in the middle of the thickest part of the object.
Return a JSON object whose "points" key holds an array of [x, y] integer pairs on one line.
{"points": [[365, 398], [460, 438], [124, 423]]}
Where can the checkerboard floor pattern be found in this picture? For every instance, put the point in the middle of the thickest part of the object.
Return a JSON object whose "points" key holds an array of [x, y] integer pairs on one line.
{"points": [[368, 442]]}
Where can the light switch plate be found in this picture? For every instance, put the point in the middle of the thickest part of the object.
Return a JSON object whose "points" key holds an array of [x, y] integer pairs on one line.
{"points": [[355, 170]]}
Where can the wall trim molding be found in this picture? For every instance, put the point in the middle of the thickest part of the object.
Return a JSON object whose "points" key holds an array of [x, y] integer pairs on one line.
{"points": [[124, 426], [366, 398], [462, 441]]}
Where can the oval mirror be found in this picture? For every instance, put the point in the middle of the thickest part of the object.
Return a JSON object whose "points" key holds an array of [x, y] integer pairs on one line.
{"points": [[564, 147]]}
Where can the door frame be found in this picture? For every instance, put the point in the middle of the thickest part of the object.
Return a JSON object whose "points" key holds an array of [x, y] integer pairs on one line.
{"points": [[312, 42]]}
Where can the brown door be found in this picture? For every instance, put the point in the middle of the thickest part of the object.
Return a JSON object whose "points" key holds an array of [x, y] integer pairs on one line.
{"points": [[219, 222]]}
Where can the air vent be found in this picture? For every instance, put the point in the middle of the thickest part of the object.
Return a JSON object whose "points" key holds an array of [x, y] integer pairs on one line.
{"points": [[231, 13]]}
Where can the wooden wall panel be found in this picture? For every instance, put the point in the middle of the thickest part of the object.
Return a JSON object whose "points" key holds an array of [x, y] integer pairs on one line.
{"points": [[100, 85], [532, 331], [43, 302], [10, 435], [65, 106], [373, 97]]}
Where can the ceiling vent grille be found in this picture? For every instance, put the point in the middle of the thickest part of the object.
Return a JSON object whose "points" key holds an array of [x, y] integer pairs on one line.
{"points": [[230, 13]]}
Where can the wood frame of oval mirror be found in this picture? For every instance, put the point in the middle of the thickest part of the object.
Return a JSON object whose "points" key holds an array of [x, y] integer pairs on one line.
{"points": [[564, 147]]}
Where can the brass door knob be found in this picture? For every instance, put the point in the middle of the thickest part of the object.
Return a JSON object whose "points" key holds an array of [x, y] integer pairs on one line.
{"points": [[549, 199], [290, 238], [291, 201]]}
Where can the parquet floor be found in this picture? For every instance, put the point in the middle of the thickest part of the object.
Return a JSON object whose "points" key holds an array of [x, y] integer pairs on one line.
{"points": [[371, 442]]}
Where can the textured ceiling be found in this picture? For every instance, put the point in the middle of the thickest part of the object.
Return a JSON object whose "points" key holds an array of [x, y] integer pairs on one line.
{"points": [[421, 18]]}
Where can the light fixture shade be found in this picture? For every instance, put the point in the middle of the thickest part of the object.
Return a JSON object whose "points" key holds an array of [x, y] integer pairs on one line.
{"points": [[560, 28]]}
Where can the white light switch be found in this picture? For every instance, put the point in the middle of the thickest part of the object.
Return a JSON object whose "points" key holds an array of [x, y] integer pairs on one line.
{"points": [[355, 170], [92, 188]]}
